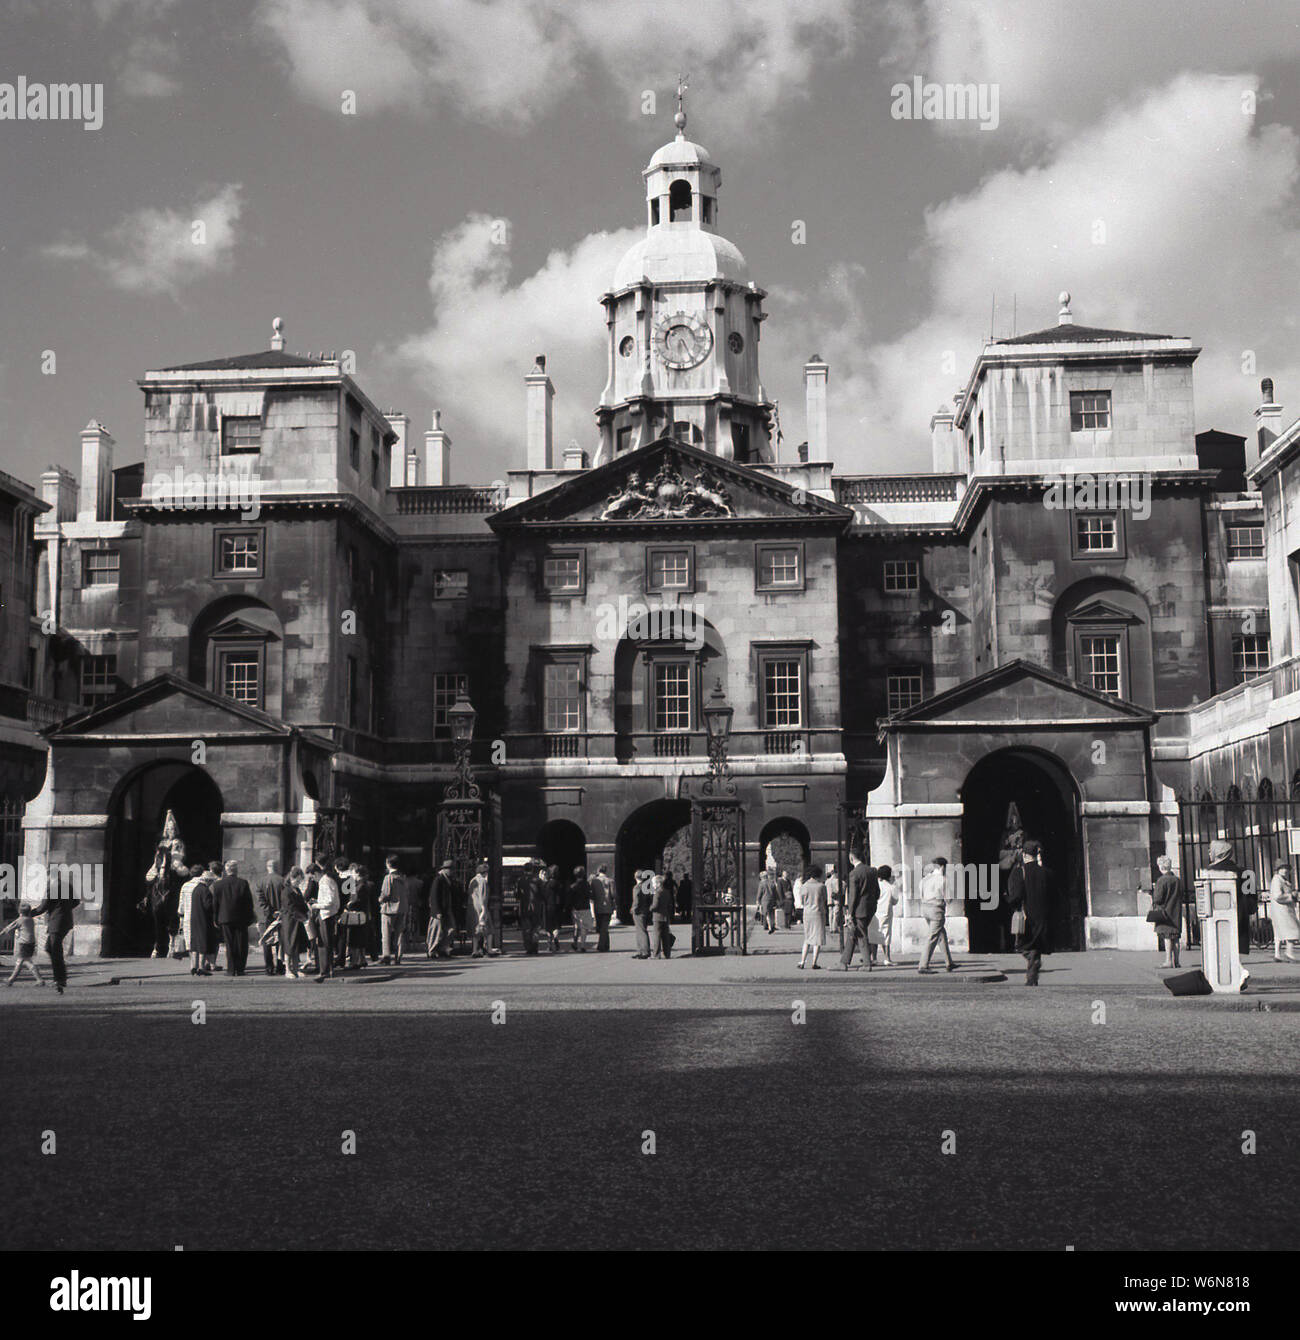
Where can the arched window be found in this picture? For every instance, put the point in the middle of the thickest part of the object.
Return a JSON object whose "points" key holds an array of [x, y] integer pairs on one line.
{"points": [[679, 202]]}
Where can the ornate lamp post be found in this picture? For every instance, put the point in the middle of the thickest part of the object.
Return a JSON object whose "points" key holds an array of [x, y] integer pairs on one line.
{"points": [[718, 842], [717, 724], [460, 832], [460, 717]]}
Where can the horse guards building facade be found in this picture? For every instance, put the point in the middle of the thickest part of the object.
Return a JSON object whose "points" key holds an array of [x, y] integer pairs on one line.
{"points": [[1084, 622]]}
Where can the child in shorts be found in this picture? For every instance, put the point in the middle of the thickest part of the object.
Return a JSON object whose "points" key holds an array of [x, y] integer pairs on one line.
{"points": [[24, 945]]}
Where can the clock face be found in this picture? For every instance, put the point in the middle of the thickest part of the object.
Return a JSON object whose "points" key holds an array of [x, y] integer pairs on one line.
{"points": [[682, 340]]}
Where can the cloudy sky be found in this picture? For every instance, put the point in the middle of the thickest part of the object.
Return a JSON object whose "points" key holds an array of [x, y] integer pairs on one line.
{"points": [[469, 214]]}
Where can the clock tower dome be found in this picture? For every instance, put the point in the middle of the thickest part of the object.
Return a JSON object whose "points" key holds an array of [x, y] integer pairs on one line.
{"points": [[683, 320]]}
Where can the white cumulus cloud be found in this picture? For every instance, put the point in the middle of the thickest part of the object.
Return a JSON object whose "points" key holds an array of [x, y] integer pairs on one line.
{"points": [[488, 328], [509, 61], [159, 251], [1173, 214]]}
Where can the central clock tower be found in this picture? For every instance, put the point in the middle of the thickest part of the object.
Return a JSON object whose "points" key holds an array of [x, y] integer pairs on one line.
{"points": [[684, 321]]}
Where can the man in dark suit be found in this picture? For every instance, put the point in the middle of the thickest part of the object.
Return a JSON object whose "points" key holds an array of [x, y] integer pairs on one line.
{"points": [[661, 912], [860, 899], [270, 903], [57, 911], [442, 898], [1029, 890], [233, 901]]}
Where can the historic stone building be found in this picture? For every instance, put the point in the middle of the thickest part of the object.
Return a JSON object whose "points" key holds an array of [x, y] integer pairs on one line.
{"points": [[264, 625]]}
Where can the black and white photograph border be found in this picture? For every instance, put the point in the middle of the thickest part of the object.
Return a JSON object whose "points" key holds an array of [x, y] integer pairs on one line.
{"points": [[607, 694]]}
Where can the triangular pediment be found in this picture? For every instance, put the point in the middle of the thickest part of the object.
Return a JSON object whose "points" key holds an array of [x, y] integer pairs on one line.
{"points": [[668, 481], [235, 627], [1020, 693], [169, 705], [1101, 611]]}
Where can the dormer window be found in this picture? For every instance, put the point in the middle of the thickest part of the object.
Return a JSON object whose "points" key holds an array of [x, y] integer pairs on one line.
{"points": [[679, 202]]}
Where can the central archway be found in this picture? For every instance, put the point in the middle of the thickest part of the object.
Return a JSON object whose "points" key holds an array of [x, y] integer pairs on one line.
{"points": [[561, 842], [135, 817], [1046, 801], [654, 837]]}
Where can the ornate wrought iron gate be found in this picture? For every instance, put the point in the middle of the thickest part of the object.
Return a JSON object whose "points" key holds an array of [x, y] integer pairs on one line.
{"points": [[718, 923], [1264, 834], [469, 831]]}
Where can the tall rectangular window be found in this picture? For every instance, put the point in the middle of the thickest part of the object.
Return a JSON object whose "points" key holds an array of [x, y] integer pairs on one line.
{"points": [[1100, 657], [561, 697], [98, 678], [240, 434], [240, 674], [354, 449], [668, 569], [1249, 656], [782, 693], [672, 695], [903, 690], [779, 567], [448, 685], [1089, 410], [352, 690], [99, 567]]}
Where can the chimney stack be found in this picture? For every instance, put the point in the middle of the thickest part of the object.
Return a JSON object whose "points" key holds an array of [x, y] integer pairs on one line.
{"points": [[400, 424], [945, 443], [59, 489], [574, 456], [96, 500], [541, 417], [1268, 418], [437, 453], [816, 375]]}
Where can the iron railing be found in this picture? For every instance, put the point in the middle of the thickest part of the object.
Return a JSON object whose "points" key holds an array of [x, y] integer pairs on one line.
{"points": [[1264, 833]]}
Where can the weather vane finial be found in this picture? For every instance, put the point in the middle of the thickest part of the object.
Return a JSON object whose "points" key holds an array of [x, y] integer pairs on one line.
{"points": [[680, 119]]}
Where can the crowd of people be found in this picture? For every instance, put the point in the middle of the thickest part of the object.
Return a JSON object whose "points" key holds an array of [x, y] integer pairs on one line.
{"points": [[336, 915], [862, 911]]}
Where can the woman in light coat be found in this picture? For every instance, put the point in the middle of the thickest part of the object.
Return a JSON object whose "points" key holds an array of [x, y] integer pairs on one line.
{"points": [[812, 899], [883, 921], [1282, 913]]}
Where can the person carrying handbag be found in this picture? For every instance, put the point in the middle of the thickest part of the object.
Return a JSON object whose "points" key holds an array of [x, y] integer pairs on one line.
{"points": [[1166, 915]]}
